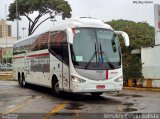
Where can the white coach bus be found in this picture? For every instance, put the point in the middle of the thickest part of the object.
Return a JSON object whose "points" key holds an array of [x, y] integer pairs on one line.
{"points": [[80, 55]]}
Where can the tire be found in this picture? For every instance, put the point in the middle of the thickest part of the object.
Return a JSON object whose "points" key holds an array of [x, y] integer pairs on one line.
{"points": [[96, 94], [55, 87], [19, 78], [23, 82]]}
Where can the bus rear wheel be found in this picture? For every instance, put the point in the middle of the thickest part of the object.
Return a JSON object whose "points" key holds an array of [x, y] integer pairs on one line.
{"points": [[19, 79], [55, 87], [96, 94], [23, 82]]}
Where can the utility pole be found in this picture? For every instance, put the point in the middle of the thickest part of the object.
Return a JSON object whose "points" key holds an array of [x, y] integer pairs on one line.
{"points": [[17, 16], [6, 34]]}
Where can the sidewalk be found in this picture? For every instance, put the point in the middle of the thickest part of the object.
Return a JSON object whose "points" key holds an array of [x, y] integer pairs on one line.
{"points": [[142, 89]]}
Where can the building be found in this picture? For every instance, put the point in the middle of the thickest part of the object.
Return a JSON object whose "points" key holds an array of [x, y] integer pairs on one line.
{"points": [[150, 56], [6, 42], [6, 48], [5, 29]]}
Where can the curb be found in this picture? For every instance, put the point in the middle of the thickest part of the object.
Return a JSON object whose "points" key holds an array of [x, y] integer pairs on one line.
{"points": [[142, 89], [7, 80]]}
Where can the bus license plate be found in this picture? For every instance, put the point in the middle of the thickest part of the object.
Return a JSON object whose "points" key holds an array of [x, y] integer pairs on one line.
{"points": [[100, 86]]}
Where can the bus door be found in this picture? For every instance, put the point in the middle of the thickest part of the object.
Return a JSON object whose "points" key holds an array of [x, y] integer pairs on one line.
{"points": [[65, 67]]}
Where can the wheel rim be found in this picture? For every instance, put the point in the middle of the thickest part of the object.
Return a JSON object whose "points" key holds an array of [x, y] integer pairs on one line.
{"points": [[20, 80], [57, 89], [24, 83]]}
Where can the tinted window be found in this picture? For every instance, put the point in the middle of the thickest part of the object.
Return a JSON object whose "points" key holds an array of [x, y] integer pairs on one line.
{"points": [[55, 43], [35, 43], [39, 42], [21, 47], [65, 55]]}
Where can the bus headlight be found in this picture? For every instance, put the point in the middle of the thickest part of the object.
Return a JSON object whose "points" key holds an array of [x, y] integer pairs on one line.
{"points": [[120, 79], [77, 80]]}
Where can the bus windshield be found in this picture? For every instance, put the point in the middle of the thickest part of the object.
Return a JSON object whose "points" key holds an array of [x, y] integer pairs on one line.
{"points": [[95, 48]]}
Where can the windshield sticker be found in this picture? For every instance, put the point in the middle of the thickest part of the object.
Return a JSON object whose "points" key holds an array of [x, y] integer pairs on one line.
{"points": [[77, 31], [79, 58], [101, 60]]}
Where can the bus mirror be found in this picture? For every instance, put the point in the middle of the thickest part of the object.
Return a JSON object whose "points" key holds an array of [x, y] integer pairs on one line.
{"points": [[70, 36], [125, 36]]}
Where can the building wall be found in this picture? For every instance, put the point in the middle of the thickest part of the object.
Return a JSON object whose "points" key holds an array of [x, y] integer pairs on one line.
{"points": [[156, 83], [157, 23], [5, 29], [0, 55], [150, 58]]}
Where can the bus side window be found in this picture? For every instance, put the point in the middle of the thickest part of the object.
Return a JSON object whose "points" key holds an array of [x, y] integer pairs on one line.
{"points": [[21, 47], [43, 41], [34, 43], [65, 56], [55, 43], [39, 42]]}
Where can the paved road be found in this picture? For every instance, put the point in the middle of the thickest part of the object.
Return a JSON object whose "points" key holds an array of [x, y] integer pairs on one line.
{"points": [[38, 102]]}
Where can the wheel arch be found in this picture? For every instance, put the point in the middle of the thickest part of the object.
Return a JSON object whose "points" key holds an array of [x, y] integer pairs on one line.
{"points": [[54, 78]]}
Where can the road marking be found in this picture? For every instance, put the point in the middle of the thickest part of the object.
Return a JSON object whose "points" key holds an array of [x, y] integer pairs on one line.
{"points": [[55, 110], [20, 105]]}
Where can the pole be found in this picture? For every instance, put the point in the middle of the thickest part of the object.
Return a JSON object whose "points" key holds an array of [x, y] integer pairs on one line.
{"points": [[17, 20], [6, 34]]}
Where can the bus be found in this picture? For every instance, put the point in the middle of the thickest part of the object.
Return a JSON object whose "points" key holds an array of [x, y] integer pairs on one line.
{"points": [[79, 55]]}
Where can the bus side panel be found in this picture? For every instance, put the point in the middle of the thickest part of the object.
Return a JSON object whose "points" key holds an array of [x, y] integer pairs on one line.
{"points": [[39, 68], [18, 64], [56, 69]]}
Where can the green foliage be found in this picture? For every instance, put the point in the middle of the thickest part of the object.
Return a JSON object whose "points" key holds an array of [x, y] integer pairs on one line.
{"points": [[141, 34], [43, 7]]}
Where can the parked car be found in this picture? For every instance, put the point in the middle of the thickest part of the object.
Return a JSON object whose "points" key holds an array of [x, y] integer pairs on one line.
{"points": [[6, 67], [2, 67]]}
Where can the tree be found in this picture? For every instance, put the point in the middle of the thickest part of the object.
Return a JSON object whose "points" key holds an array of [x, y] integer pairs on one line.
{"points": [[141, 34], [43, 7]]}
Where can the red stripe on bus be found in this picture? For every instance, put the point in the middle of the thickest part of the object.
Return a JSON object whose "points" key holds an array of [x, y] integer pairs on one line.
{"points": [[106, 73], [18, 57], [38, 55], [31, 55]]}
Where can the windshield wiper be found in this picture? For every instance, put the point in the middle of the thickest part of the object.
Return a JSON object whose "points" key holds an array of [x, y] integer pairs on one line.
{"points": [[94, 54], [101, 54]]}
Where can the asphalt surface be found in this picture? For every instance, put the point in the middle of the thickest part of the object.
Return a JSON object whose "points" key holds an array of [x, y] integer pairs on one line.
{"points": [[39, 103]]}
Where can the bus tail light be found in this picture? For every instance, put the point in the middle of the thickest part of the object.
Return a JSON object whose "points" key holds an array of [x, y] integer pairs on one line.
{"points": [[120, 79], [77, 80], [73, 30]]}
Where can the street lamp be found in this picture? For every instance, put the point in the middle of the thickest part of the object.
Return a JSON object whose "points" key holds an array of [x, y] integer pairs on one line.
{"points": [[53, 20], [52, 17], [23, 31]]}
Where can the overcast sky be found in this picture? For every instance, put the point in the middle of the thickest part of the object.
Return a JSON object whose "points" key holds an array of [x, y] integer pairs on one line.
{"points": [[105, 10]]}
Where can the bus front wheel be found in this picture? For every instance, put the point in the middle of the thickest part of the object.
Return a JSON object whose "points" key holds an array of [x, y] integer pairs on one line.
{"points": [[55, 87], [96, 94]]}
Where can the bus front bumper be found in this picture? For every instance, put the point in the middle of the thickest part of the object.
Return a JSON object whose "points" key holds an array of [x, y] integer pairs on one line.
{"points": [[96, 87]]}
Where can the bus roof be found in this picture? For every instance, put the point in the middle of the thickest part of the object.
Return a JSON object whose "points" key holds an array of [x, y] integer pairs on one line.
{"points": [[75, 23], [81, 22]]}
